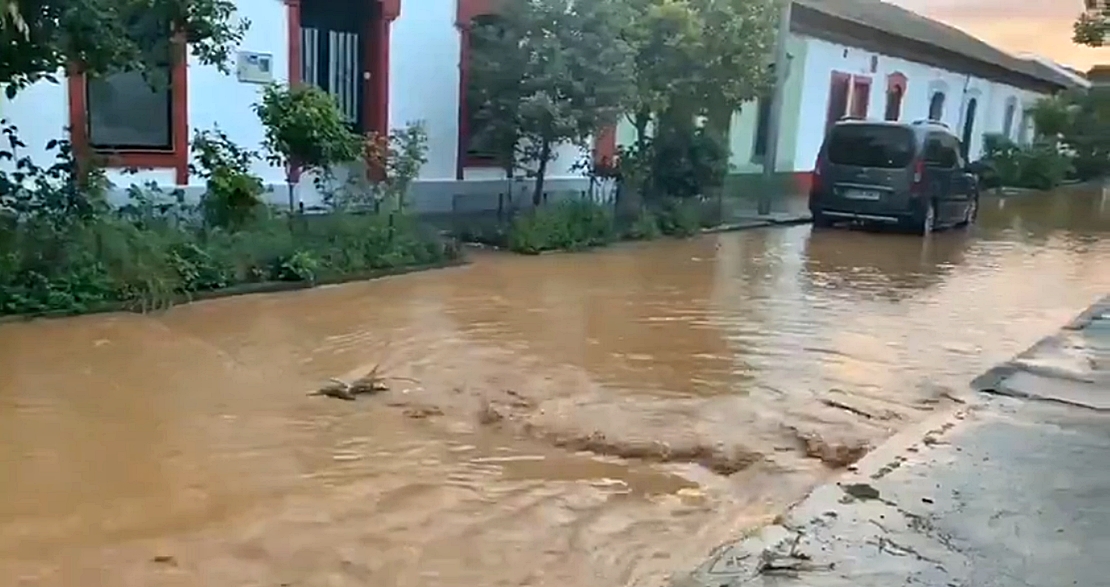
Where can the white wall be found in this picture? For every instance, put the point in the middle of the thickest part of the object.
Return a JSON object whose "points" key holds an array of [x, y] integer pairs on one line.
{"points": [[42, 111], [216, 98], [823, 58]]}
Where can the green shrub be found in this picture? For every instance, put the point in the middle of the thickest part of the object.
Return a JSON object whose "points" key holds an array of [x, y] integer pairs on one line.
{"points": [[679, 218], [644, 227], [234, 194], [63, 251], [1040, 165], [570, 225]]}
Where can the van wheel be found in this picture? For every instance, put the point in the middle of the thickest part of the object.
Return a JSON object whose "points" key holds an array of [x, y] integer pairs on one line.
{"points": [[821, 221], [928, 220], [972, 213]]}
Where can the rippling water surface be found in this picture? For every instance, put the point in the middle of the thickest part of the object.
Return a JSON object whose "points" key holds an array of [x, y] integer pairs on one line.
{"points": [[581, 419]]}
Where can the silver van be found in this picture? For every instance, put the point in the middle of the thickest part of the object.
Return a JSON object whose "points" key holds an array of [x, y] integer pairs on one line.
{"points": [[908, 175]]}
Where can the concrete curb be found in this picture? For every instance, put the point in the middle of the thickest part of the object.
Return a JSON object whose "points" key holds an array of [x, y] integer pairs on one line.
{"points": [[738, 562], [247, 289], [994, 380]]}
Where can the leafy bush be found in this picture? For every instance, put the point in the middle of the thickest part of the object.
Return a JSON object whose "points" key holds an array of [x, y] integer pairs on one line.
{"points": [[679, 218], [234, 194], [1041, 165], [569, 225], [382, 178], [687, 162], [63, 250], [644, 227], [304, 126]]}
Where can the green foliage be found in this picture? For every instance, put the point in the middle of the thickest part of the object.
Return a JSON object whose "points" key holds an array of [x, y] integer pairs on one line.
{"points": [[305, 127], [548, 72], [688, 161], [1091, 27], [570, 225], [679, 217], [234, 194], [1081, 122], [645, 226], [1040, 165], [105, 36], [400, 157], [63, 250]]}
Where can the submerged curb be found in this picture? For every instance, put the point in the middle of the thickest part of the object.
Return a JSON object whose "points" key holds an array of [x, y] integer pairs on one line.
{"points": [[246, 289], [852, 500], [1060, 385]]}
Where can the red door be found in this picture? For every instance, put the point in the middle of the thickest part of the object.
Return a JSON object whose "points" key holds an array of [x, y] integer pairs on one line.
{"points": [[861, 96]]}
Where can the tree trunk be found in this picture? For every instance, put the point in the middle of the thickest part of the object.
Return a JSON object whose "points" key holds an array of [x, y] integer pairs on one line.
{"points": [[545, 155], [642, 172]]}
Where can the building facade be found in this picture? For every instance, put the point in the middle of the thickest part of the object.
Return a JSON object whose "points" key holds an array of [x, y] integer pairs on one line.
{"points": [[392, 62], [870, 59]]}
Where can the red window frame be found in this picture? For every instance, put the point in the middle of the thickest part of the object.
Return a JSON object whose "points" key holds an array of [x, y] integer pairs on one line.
{"points": [[861, 96], [895, 95], [176, 157], [605, 140], [838, 81]]}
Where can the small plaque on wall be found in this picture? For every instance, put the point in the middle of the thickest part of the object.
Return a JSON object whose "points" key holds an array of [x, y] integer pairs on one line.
{"points": [[255, 68]]}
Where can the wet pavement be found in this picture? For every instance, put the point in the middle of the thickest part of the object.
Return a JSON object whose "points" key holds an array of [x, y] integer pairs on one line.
{"points": [[581, 419], [1006, 492]]}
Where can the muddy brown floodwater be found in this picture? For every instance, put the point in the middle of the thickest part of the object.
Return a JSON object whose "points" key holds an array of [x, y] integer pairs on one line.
{"points": [[572, 420]]}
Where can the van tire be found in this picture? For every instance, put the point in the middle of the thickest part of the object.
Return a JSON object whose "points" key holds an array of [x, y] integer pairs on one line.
{"points": [[972, 213], [928, 221], [821, 221]]}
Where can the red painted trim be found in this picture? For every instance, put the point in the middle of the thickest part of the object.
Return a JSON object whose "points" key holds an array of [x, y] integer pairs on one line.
{"points": [[296, 65], [802, 180], [861, 96], [177, 158], [896, 80], [835, 80], [391, 9], [605, 145], [468, 10]]}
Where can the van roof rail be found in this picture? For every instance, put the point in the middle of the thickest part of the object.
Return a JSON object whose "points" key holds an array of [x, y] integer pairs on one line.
{"points": [[930, 123]]}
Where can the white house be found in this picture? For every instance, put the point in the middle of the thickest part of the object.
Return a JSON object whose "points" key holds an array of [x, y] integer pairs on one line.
{"points": [[389, 62], [871, 59]]}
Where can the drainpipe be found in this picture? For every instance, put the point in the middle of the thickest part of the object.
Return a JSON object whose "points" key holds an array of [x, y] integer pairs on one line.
{"points": [[782, 67]]}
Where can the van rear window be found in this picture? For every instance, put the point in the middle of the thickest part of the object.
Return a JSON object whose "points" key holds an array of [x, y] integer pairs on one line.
{"points": [[865, 145]]}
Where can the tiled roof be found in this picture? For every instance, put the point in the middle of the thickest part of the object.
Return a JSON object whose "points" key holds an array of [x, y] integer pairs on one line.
{"points": [[898, 21]]}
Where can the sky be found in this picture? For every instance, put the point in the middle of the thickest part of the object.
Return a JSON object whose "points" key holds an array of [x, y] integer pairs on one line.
{"points": [[1035, 26]]}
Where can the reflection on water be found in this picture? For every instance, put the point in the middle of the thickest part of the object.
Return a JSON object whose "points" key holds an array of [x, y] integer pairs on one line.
{"points": [[583, 419]]}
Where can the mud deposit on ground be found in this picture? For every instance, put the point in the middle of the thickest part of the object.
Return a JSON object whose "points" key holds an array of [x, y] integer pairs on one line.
{"points": [[568, 420]]}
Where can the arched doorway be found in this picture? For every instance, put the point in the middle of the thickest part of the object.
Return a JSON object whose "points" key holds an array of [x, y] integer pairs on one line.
{"points": [[936, 106], [895, 92], [893, 103], [969, 126]]}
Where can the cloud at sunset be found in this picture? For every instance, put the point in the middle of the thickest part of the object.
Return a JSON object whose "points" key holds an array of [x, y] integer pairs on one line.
{"points": [[1035, 26]]}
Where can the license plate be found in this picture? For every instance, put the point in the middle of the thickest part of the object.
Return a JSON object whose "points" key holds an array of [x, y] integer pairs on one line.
{"points": [[862, 194]]}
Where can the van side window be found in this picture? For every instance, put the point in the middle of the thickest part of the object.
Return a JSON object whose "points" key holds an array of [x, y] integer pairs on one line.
{"points": [[954, 144], [939, 152]]}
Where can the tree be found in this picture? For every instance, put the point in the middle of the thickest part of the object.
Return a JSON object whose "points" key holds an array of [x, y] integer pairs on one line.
{"points": [[695, 58], [738, 46], [562, 71], [1091, 27], [104, 36]]}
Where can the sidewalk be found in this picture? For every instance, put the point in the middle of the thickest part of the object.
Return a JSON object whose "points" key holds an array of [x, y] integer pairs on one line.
{"points": [[1010, 491]]}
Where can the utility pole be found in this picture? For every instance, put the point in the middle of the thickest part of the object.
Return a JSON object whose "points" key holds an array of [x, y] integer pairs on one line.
{"points": [[782, 69]]}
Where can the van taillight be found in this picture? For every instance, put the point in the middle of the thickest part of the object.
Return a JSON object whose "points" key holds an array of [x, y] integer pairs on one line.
{"points": [[815, 184], [918, 177]]}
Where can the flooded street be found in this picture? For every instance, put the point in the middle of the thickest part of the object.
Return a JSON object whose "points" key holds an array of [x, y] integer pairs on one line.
{"points": [[586, 420]]}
